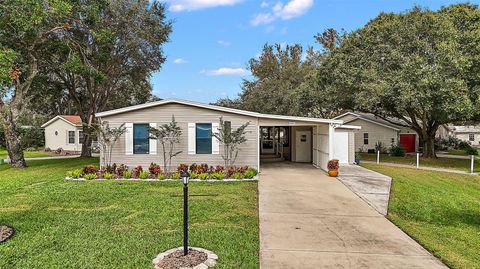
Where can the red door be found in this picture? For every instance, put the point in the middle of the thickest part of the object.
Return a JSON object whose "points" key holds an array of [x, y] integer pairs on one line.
{"points": [[407, 141]]}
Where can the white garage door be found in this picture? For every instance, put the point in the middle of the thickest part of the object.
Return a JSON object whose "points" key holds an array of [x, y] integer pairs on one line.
{"points": [[341, 147]]}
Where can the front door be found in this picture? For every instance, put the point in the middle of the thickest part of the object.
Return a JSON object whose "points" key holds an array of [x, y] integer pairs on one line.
{"points": [[303, 146], [407, 141]]}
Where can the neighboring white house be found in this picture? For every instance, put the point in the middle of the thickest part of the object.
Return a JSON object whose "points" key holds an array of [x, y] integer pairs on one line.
{"points": [[375, 130], [64, 132], [470, 133], [295, 139]]}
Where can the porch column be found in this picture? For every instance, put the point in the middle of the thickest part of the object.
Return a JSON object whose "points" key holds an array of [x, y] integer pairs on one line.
{"points": [[331, 140]]}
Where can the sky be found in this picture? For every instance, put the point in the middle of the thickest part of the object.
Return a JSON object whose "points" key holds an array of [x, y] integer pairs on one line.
{"points": [[212, 40]]}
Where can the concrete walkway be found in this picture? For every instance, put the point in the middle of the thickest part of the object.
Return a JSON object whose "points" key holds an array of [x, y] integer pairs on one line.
{"points": [[438, 169], [309, 220], [372, 187]]}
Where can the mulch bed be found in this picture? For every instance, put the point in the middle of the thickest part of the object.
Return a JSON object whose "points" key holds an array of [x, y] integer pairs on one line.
{"points": [[176, 259], [6, 232]]}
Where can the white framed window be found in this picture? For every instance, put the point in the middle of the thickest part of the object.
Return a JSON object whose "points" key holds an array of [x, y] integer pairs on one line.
{"points": [[71, 137], [471, 137], [80, 137]]}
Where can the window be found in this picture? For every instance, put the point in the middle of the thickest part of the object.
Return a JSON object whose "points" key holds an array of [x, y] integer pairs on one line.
{"points": [[365, 138], [393, 140], [71, 137], [141, 141], [204, 138], [80, 137], [471, 137]]}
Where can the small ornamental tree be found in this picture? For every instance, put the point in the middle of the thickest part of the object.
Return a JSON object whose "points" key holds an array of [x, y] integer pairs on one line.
{"points": [[108, 136], [168, 135], [231, 140]]}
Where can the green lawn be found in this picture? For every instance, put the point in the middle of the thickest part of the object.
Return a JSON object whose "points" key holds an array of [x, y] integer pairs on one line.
{"points": [[448, 163], [27, 154], [439, 210], [458, 152], [114, 224]]}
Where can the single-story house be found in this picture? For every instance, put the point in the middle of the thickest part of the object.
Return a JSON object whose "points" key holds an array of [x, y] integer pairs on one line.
{"points": [[377, 130], [296, 139], [469, 133], [64, 132]]}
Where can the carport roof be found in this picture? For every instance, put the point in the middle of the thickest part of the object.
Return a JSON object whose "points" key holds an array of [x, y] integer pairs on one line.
{"points": [[217, 108]]}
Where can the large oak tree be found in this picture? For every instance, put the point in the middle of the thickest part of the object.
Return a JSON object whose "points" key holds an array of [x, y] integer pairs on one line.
{"points": [[25, 26], [419, 66]]}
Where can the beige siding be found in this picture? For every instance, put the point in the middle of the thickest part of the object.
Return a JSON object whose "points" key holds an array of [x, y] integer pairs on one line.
{"points": [[54, 142], [294, 139], [466, 137], [322, 146], [183, 115], [376, 133]]}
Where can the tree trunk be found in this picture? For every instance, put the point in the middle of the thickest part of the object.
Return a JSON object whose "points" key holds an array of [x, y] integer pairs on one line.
{"points": [[87, 143], [13, 141], [429, 146]]}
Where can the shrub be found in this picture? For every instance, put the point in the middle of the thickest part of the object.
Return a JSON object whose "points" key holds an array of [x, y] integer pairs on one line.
{"points": [[176, 175], [218, 175], [90, 169], [90, 176], [203, 176], [464, 145], [182, 168], [193, 175], [143, 175], [230, 170], [238, 175], [218, 169], [199, 168], [127, 174], [333, 165], [161, 176], [136, 171], [77, 173], [380, 147], [471, 151], [250, 173], [121, 169], [112, 169], [108, 175], [154, 169], [397, 151], [241, 169]]}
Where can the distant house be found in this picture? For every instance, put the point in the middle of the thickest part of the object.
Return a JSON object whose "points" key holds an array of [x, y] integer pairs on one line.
{"points": [[64, 132], [470, 133], [278, 137], [376, 130]]}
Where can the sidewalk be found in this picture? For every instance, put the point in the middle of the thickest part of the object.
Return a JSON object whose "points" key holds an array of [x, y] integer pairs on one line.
{"points": [[423, 168]]}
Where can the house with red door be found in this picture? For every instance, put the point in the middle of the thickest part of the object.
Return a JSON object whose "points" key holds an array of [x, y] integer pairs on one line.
{"points": [[376, 130]]}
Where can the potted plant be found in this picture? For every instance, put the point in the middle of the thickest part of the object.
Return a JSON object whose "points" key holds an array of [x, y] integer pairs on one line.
{"points": [[333, 168], [357, 158]]}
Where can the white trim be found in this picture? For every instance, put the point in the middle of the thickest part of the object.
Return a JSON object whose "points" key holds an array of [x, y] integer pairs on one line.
{"points": [[129, 138], [345, 114], [372, 121], [215, 142], [78, 134], [191, 138], [213, 107], [56, 118], [258, 145], [331, 141], [152, 143], [352, 127]]}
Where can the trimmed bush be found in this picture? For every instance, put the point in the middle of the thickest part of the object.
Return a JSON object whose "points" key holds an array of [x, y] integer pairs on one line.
{"points": [[203, 176], [218, 176], [154, 169], [161, 176], [90, 169], [397, 151], [471, 151], [144, 175], [127, 174], [238, 175], [90, 176], [176, 175], [77, 173], [250, 173], [108, 175]]}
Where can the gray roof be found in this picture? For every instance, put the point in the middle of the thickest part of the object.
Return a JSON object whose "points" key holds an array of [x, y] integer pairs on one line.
{"points": [[371, 117]]}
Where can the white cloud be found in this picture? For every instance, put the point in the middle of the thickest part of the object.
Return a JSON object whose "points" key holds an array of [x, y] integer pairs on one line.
{"points": [[179, 61], [226, 71], [293, 9], [223, 43], [264, 4], [189, 5]]}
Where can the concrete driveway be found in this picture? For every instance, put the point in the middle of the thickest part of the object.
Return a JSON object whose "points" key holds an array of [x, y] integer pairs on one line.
{"points": [[309, 220]]}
